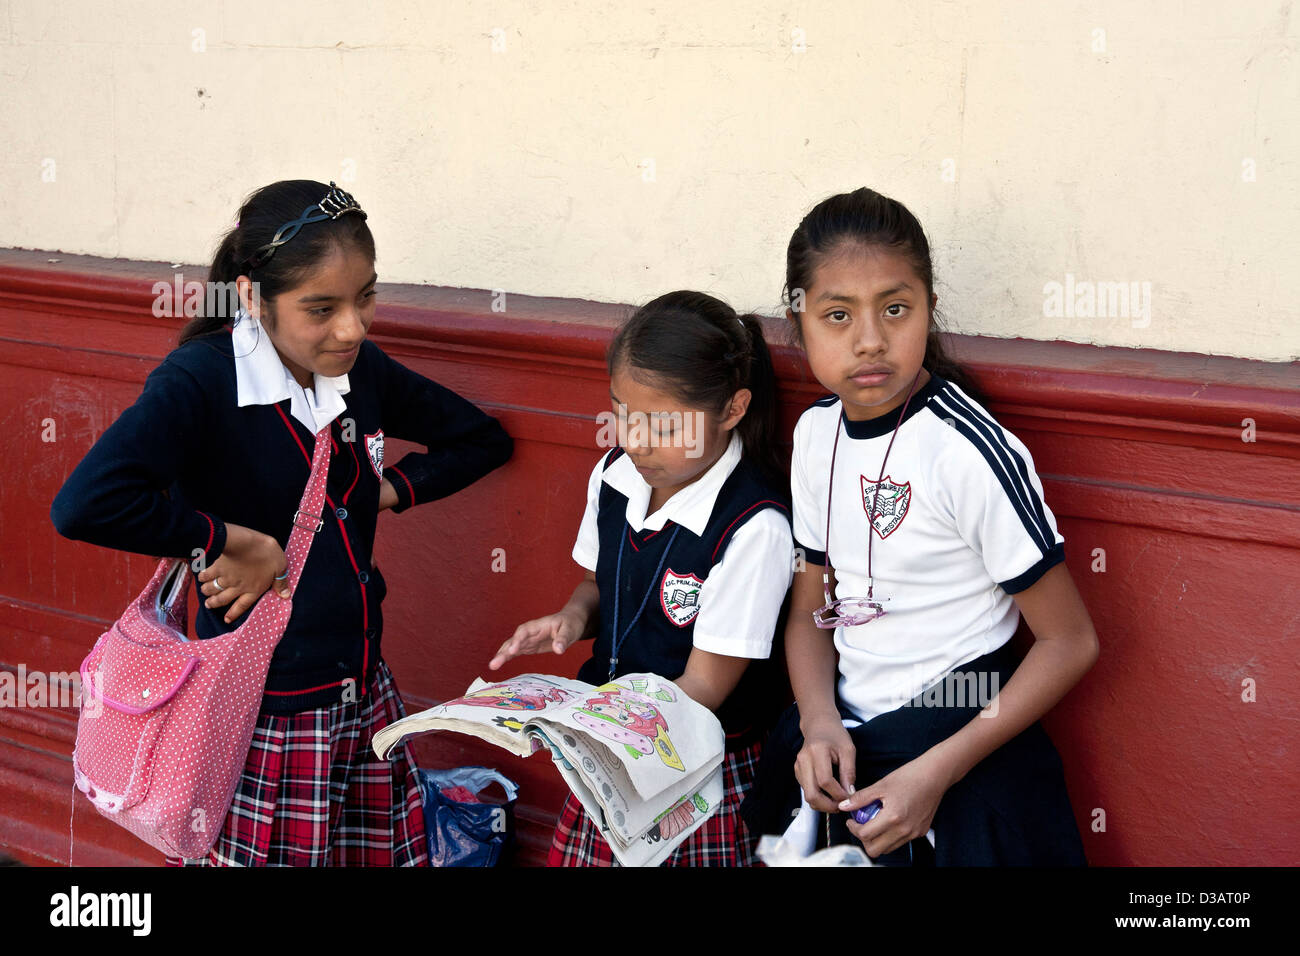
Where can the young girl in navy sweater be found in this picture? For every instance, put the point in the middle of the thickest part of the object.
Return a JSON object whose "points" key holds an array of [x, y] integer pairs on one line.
{"points": [[926, 536], [209, 464], [686, 544]]}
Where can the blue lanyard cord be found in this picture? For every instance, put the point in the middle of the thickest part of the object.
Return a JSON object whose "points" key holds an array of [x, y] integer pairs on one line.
{"points": [[618, 589]]}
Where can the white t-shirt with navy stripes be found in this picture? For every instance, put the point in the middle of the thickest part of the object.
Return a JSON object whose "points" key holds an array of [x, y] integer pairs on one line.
{"points": [[960, 526]]}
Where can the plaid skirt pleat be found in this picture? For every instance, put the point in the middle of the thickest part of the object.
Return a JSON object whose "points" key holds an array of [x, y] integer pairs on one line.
{"points": [[723, 839], [313, 793]]}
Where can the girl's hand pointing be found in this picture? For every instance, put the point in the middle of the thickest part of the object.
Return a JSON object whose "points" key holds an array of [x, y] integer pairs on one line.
{"points": [[555, 632]]}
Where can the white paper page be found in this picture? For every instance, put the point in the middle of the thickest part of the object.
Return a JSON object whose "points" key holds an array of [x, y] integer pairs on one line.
{"points": [[627, 823], [495, 712], [660, 736]]}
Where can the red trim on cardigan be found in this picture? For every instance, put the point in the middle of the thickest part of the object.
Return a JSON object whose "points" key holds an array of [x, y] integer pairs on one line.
{"points": [[356, 466], [343, 531], [290, 693], [289, 425], [405, 479], [212, 532]]}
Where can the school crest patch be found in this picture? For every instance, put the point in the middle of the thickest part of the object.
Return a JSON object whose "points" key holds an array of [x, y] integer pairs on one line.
{"points": [[680, 596], [375, 449], [892, 502]]}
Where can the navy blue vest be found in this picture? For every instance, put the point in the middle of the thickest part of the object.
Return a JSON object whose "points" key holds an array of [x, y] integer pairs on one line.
{"points": [[668, 588]]}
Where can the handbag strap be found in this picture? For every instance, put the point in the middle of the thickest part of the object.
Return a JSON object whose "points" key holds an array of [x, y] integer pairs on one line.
{"points": [[307, 519], [170, 608]]}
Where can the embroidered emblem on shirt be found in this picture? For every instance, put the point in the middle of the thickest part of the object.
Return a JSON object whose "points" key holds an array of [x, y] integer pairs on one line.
{"points": [[892, 502], [375, 449], [680, 597]]}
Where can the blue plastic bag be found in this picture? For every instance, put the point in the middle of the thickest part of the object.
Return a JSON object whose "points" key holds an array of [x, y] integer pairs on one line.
{"points": [[462, 833]]}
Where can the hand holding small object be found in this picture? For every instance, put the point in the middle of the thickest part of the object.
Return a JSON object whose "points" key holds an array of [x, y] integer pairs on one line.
{"points": [[906, 801]]}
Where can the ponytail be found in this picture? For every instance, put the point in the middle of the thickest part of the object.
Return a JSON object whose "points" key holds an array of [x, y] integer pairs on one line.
{"points": [[697, 348], [758, 428], [224, 269]]}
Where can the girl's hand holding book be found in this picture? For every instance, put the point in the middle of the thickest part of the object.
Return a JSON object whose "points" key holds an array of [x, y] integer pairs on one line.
{"points": [[247, 568]]}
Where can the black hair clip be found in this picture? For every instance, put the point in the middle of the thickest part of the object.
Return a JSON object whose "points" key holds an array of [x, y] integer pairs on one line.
{"points": [[335, 204]]}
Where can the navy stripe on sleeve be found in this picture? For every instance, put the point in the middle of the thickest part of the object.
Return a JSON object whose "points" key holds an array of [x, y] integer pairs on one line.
{"points": [[996, 457], [1022, 581], [999, 435]]}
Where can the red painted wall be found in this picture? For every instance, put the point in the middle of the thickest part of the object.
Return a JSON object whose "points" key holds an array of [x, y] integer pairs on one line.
{"points": [[1142, 455]]}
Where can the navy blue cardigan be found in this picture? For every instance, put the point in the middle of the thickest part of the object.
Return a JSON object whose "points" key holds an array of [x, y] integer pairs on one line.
{"points": [[219, 463]]}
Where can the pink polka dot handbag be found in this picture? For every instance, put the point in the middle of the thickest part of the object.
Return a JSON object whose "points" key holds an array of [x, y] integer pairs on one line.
{"points": [[166, 723]]}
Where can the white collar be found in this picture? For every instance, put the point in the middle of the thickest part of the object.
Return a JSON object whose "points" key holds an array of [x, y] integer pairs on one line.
{"points": [[689, 508], [265, 380]]}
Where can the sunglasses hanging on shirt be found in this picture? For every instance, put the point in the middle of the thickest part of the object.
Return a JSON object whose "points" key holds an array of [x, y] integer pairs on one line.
{"points": [[852, 611]]}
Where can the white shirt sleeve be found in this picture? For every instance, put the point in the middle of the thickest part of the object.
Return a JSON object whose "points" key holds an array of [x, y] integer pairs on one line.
{"points": [[742, 596], [997, 503], [809, 505], [587, 548]]}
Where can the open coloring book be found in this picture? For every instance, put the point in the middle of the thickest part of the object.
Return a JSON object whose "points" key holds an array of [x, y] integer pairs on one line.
{"points": [[643, 758]]}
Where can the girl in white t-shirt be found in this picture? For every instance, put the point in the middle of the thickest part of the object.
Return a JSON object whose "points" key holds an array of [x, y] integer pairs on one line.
{"points": [[926, 536]]}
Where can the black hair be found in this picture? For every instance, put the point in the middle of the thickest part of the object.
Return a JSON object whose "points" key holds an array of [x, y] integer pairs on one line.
{"points": [[260, 218], [867, 218], [700, 350]]}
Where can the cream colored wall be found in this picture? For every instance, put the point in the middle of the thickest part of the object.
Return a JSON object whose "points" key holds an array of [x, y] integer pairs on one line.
{"points": [[614, 151]]}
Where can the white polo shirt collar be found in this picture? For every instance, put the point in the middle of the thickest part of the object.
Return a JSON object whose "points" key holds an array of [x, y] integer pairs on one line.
{"points": [[689, 508], [263, 379]]}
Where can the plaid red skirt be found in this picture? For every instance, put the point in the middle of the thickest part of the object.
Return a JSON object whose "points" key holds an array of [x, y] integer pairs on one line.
{"points": [[313, 793], [723, 839]]}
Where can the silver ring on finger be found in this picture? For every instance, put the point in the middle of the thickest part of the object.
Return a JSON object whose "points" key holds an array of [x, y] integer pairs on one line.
{"points": [[216, 583]]}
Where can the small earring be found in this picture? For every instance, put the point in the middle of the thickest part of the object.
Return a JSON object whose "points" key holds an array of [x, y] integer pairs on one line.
{"points": [[243, 315]]}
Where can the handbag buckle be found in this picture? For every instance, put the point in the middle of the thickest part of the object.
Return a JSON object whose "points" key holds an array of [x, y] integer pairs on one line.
{"points": [[307, 527]]}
